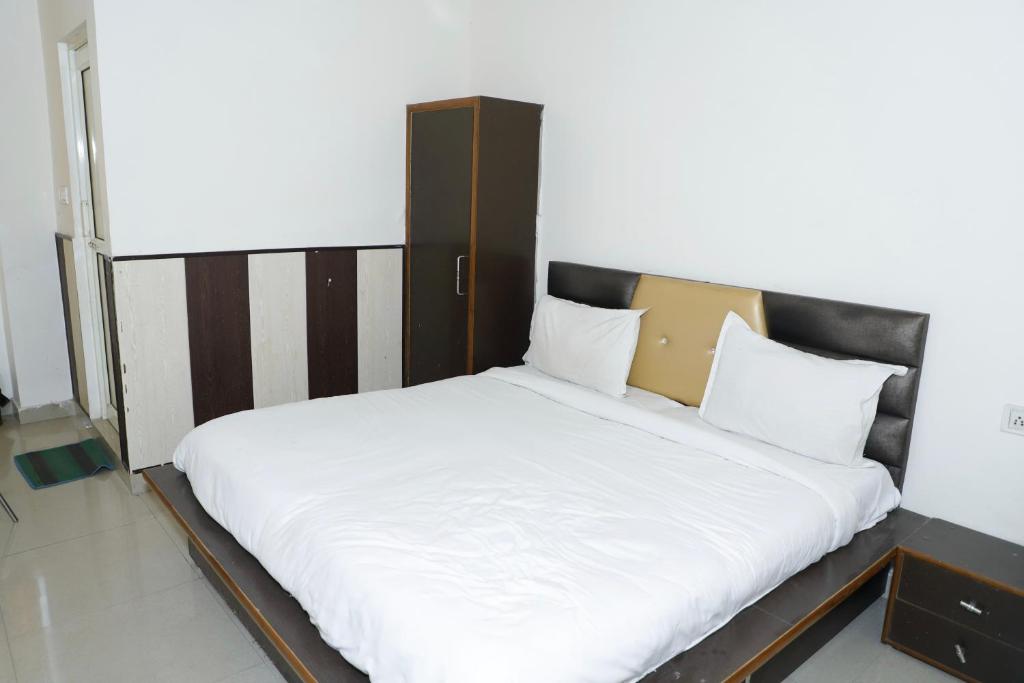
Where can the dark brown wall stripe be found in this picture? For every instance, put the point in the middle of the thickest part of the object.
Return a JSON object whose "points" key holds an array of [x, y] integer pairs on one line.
{"points": [[331, 323], [62, 271], [115, 358], [220, 351]]}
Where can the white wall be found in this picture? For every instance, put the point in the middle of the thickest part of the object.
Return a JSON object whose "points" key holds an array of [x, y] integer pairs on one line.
{"points": [[57, 19], [7, 377], [871, 152], [35, 320], [266, 124]]}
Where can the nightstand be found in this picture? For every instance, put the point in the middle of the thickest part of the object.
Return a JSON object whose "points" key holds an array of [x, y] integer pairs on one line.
{"points": [[957, 602]]}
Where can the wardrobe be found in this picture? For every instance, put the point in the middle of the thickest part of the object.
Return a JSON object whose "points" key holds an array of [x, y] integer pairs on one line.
{"points": [[471, 232]]}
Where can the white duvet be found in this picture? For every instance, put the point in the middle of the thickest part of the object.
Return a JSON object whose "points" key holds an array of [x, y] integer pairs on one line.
{"points": [[514, 527]]}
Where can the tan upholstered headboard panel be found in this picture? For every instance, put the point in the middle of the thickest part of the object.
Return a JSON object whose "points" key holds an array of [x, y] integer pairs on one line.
{"points": [[679, 332]]}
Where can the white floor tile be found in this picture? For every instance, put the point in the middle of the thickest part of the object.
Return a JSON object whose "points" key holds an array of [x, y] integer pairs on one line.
{"points": [[845, 657], [47, 586], [6, 665], [892, 665], [6, 530], [264, 673], [169, 524], [858, 655], [60, 512], [71, 510], [179, 634]]}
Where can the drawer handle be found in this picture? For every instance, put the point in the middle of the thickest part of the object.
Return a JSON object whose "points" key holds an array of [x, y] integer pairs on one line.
{"points": [[971, 607], [961, 653]]}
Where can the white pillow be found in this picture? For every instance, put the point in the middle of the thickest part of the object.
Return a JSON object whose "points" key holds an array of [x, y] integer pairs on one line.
{"points": [[583, 344], [818, 407]]}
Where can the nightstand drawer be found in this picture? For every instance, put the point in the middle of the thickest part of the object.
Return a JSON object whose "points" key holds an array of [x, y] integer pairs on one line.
{"points": [[958, 648], [963, 599]]}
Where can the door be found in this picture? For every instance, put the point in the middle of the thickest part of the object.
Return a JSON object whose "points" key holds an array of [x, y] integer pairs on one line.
{"points": [[94, 226], [440, 191]]}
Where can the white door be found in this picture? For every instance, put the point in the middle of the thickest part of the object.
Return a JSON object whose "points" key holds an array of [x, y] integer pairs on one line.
{"points": [[94, 226]]}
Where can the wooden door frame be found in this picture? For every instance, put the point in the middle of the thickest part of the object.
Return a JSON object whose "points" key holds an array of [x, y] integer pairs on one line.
{"points": [[86, 268]]}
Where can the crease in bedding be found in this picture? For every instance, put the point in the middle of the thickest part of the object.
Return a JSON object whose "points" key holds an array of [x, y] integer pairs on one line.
{"points": [[514, 527]]}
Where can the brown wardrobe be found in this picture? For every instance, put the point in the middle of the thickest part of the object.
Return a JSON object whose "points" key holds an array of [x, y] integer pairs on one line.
{"points": [[471, 235]]}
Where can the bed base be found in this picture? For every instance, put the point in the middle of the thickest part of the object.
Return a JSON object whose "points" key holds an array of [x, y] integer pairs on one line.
{"points": [[762, 644]]}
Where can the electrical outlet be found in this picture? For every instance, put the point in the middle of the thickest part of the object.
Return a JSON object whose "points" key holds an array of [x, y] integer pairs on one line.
{"points": [[1013, 419]]}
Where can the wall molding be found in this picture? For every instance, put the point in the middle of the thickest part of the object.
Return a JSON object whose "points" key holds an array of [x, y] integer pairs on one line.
{"points": [[238, 252]]}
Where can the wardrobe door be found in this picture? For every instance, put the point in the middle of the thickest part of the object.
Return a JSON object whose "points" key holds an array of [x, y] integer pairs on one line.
{"points": [[508, 159], [440, 183]]}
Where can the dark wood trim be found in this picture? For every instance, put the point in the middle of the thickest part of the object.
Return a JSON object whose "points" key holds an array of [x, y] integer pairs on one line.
{"points": [[407, 265], [800, 649], [437, 105], [65, 296], [797, 629], [473, 212], [897, 572], [115, 358], [974, 576], [236, 252]]}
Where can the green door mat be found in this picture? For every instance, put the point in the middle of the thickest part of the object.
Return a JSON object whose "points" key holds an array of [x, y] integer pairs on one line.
{"points": [[63, 464]]}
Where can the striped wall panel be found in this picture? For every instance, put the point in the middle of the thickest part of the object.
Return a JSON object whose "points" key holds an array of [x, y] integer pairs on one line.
{"points": [[379, 303], [206, 335], [277, 318], [152, 326], [219, 341], [332, 321]]}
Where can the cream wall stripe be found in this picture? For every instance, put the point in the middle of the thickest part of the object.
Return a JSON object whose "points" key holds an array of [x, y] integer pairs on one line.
{"points": [[277, 316], [379, 307], [152, 325]]}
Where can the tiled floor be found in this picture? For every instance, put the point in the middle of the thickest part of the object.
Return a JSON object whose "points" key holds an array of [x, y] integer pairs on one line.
{"points": [[96, 585]]}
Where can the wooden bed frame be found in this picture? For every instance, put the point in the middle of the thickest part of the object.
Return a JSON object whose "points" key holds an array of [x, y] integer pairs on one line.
{"points": [[763, 643]]}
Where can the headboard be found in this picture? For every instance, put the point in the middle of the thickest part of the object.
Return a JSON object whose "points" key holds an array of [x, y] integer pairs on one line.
{"points": [[836, 329]]}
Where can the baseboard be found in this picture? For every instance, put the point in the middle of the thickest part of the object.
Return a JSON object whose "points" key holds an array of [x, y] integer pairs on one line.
{"points": [[47, 411]]}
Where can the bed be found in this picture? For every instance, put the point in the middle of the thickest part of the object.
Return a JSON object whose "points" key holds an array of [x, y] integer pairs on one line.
{"points": [[587, 538]]}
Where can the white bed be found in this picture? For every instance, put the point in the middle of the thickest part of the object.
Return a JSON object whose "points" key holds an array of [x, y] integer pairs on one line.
{"points": [[514, 527]]}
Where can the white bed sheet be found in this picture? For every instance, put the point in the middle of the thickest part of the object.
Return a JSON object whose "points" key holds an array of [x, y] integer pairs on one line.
{"points": [[514, 527]]}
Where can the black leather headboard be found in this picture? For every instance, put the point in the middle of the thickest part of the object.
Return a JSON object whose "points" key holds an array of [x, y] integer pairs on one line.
{"points": [[836, 329]]}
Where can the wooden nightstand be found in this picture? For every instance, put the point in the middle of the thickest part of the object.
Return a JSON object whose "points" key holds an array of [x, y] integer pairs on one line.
{"points": [[957, 602]]}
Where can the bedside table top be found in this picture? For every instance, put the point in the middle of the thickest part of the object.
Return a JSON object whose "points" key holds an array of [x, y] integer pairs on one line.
{"points": [[988, 557]]}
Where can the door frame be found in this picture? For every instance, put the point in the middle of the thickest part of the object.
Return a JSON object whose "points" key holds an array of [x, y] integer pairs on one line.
{"points": [[86, 266]]}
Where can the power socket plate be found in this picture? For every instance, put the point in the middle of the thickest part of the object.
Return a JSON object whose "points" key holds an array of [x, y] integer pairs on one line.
{"points": [[1013, 419]]}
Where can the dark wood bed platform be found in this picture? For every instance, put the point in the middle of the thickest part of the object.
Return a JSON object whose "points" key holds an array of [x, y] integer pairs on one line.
{"points": [[766, 641]]}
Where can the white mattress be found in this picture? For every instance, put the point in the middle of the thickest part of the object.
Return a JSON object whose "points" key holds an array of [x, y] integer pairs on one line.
{"points": [[513, 527]]}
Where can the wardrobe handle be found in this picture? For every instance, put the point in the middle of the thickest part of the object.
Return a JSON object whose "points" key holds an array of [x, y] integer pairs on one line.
{"points": [[971, 607], [458, 276]]}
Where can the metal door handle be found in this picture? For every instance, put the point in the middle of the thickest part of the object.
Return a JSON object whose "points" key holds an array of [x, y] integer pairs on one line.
{"points": [[971, 607], [458, 276], [961, 653]]}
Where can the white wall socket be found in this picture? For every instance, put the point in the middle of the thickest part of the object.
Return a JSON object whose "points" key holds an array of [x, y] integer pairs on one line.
{"points": [[1013, 419]]}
